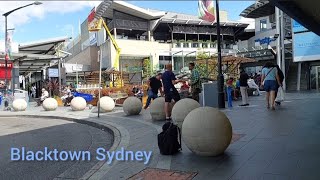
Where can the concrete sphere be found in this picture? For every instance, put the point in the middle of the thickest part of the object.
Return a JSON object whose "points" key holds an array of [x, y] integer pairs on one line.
{"points": [[50, 104], [19, 105], [107, 104], [182, 108], [78, 104], [132, 106], [207, 131], [157, 109]]}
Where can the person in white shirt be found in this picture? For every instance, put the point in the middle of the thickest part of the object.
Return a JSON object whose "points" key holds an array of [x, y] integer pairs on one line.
{"points": [[33, 91], [253, 85], [67, 97], [44, 95]]}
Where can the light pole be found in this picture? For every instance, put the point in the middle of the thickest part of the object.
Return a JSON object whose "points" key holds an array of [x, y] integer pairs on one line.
{"points": [[6, 40], [221, 100]]}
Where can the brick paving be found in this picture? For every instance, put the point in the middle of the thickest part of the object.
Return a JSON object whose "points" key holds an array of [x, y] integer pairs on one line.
{"points": [[281, 144]]}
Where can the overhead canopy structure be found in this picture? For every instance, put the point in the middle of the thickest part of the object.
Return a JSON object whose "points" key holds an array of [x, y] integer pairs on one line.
{"points": [[42, 47], [306, 12], [105, 9], [35, 56], [258, 9], [258, 54], [31, 62]]}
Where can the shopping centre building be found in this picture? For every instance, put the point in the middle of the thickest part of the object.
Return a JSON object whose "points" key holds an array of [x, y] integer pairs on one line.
{"points": [[160, 36], [168, 37]]}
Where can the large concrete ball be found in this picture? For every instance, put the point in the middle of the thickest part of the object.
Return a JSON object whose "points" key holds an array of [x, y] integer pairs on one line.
{"points": [[78, 104], [19, 105], [132, 106], [107, 104], [157, 109], [207, 131], [50, 104], [182, 108]]}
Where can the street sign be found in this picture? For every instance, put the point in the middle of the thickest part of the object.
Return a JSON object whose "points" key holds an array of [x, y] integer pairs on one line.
{"points": [[77, 67], [53, 72]]}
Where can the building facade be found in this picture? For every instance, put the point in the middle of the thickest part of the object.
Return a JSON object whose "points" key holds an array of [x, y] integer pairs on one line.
{"points": [[299, 54], [159, 36]]}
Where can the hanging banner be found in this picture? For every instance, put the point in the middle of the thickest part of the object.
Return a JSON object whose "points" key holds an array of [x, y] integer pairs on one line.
{"points": [[9, 46], [206, 10], [93, 23]]}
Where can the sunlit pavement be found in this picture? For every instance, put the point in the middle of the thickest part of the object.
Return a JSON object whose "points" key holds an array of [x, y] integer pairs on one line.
{"points": [[37, 133], [281, 144]]}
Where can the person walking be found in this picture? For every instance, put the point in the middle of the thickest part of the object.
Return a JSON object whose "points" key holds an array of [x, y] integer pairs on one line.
{"points": [[270, 82], [33, 91], [170, 92], [195, 82], [244, 87], [154, 85]]}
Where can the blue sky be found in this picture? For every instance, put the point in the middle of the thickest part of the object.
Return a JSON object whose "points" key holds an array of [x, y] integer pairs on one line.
{"points": [[60, 22]]}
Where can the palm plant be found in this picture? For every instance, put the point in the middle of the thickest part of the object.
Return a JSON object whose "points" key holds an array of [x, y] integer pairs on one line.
{"points": [[53, 87]]}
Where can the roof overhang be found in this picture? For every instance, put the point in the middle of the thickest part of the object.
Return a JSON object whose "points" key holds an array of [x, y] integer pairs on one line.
{"points": [[105, 9], [258, 54], [42, 47], [31, 62], [306, 12], [259, 9]]}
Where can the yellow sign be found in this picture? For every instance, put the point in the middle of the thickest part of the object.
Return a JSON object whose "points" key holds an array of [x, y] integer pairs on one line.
{"points": [[95, 25]]}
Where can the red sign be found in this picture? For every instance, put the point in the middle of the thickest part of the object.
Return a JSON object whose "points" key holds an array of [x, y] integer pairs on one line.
{"points": [[3, 73], [91, 15], [3, 65]]}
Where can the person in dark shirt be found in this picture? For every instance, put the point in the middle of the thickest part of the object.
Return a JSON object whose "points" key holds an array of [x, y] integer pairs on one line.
{"points": [[244, 87], [170, 92], [281, 78], [155, 85]]}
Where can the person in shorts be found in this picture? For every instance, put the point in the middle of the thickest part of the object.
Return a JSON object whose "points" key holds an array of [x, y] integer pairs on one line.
{"points": [[271, 82], [170, 92], [154, 85]]}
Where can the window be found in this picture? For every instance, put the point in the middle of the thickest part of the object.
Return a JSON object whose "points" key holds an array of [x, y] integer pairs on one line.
{"points": [[195, 45], [177, 45], [204, 45], [263, 25]]}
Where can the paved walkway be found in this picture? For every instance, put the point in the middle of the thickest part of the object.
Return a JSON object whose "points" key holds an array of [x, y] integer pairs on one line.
{"points": [[37, 133], [281, 144]]}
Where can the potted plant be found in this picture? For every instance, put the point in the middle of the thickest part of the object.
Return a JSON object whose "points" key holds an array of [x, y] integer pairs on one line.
{"points": [[53, 88]]}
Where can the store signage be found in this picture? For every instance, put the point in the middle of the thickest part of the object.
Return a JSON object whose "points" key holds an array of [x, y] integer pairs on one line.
{"points": [[306, 44], [3, 65], [53, 72], [266, 40]]}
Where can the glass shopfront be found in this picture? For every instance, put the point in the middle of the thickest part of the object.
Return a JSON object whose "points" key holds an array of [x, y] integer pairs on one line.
{"points": [[315, 77]]}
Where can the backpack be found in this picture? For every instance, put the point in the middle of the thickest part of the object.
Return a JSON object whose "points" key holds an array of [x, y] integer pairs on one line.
{"points": [[169, 140]]}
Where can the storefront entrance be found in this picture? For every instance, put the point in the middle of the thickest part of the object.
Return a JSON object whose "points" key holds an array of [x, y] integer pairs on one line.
{"points": [[315, 77]]}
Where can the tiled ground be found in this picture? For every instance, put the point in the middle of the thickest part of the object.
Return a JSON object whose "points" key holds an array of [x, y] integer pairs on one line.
{"points": [[282, 144]]}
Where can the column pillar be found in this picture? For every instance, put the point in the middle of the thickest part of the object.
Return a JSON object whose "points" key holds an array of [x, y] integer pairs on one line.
{"points": [[299, 76], [283, 58], [15, 84], [115, 33]]}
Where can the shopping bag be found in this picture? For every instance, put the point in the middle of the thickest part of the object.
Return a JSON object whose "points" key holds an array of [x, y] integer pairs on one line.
{"points": [[280, 95]]}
